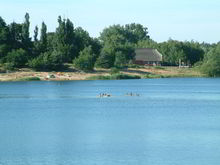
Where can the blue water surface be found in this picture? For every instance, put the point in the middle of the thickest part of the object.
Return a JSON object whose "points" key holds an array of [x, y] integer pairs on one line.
{"points": [[173, 122]]}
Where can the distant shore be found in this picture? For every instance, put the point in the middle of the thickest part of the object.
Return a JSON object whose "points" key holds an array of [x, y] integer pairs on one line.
{"points": [[143, 72]]}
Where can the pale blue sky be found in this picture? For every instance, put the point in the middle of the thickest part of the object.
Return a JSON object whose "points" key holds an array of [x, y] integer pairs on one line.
{"points": [[177, 19]]}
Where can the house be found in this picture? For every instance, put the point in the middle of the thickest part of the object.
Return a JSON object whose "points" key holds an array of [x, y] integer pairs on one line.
{"points": [[147, 56]]}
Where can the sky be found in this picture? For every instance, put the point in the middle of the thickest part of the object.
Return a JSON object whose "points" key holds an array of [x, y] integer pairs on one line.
{"points": [[182, 20]]}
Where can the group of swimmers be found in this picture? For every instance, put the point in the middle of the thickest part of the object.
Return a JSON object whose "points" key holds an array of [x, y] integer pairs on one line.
{"points": [[109, 95], [104, 95]]}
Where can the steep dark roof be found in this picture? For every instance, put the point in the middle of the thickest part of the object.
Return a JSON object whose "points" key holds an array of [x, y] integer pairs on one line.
{"points": [[147, 54]]}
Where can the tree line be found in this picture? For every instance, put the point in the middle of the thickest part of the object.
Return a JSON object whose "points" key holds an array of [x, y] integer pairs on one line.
{"points": [[115, 47]]}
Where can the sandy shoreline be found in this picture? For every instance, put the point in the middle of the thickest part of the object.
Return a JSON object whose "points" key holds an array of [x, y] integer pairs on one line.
{"points": [[65, 76]]}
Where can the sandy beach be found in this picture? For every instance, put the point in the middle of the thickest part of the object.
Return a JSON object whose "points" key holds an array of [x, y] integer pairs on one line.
{"points": [[23, 74]]}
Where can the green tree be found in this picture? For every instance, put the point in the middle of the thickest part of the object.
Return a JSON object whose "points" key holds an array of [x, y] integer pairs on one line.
{"points": [[15, 31], [17, 58], [131, 33], [51, 39], [47, 61], [136, 32], [193, 51], [43, 38], [147, 43], [86, 59], [26, 40], [64, 40], [82, 40], [211, 64], [120, 59], [173, 51], [4, 38], [106, 58], [121, 39], [36, 45], [36, 34]]}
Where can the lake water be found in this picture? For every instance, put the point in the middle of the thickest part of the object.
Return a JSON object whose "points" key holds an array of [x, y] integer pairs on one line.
{"points": [[173, 122]]}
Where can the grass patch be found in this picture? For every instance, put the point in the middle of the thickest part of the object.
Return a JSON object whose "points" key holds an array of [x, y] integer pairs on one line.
{"points": [[159, 67], [150, 75], [117, 76], [178, 75], [135, 66], [29, 79], [99, 77], [2, 70], [114, 71]]}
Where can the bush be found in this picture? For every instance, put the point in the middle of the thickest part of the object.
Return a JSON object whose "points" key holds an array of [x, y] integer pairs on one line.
{"points": [[120, 59], [86, 60], [47, 61], [135, 66], [159, 67], [99, 77], [29, 79], [114, 71], [153, 76], [17, 58], [211, 65], [105, 60], [8, 66], [211, 68]]}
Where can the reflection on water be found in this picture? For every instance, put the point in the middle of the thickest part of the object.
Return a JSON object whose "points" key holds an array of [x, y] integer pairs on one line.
{"points": [[173, 121]]}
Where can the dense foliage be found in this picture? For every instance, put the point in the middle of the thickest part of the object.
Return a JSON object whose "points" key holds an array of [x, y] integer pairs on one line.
{"points": [[114, 48], [119, 43], [211, 65], [86, 59]]}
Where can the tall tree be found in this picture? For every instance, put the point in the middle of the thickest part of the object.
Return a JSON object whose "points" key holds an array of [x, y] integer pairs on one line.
{"points": [[26, 40], [25, 29], [136, 32], [36, 46], [15, 30], [211, 64], [43, 37], [4, 38], [83, 40], [36, 34], [65, 38]]}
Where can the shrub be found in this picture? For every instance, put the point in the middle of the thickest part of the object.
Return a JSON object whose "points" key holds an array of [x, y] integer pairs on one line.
{"points": [[135, 66], [211, 65], [211, 68], [47, 61], [86, 60], [99, 77], [105, 60], [153, 76], [29, 79], [120, 59], [17, 58], [8, 66], [114, 71], [159, 67]]}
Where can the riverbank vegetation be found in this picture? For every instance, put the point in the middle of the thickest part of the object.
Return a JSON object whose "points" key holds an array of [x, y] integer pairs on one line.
{"points": [[72, 48]]}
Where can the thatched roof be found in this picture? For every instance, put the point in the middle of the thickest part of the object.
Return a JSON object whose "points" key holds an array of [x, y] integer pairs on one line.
{"points": [[147, 54]]}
